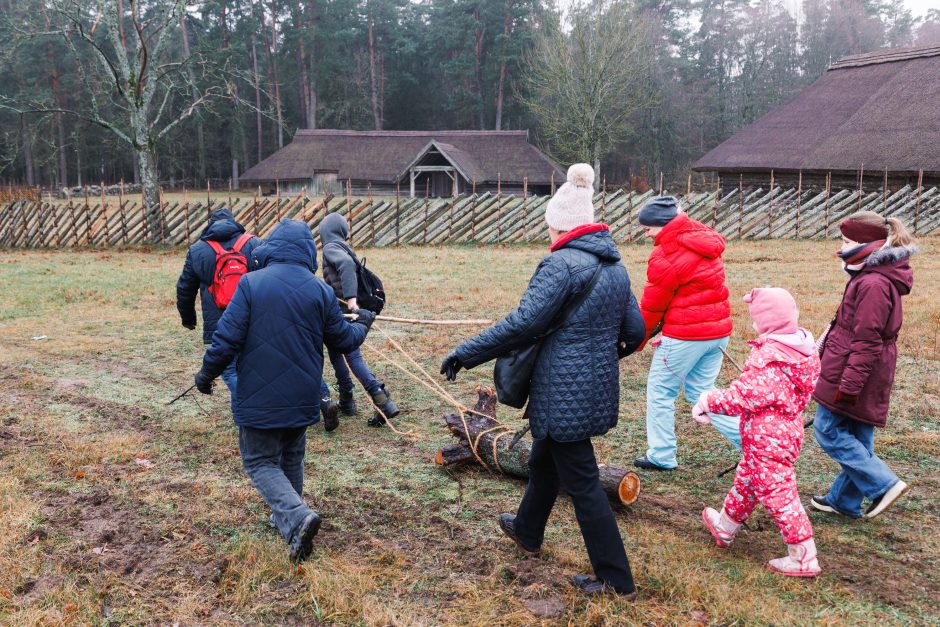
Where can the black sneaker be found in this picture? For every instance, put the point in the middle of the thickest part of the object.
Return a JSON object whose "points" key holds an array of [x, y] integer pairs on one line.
{"points": [[330, 412], [302, 543], [347, 404], [646, 464], [383, 400], [822, 504], [592, 586], [507, 522]]}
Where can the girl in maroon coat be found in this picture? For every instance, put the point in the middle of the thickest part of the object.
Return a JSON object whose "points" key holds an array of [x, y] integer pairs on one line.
{"points": [[859, 354]]}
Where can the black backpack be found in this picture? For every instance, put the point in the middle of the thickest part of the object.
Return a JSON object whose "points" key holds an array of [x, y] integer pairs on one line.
{"points": [[370, 293]]}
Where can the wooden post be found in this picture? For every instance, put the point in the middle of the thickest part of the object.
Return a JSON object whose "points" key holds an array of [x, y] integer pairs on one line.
{"points": [[770, 212], [861, 176], [104, 205], [162, 216], [71, 215], [371, 214], [525, 209], [799, 202], [688, 187], [254, 210], [427, 201], [230, 193], [473, 209], [661, 188], [189, 234], [123, 214], [604, 200], [884, 192], [920, 189], [349, 215], [740, 205], [208, 192], [87, 216], [828, 193], [553, 183], [398, 214], [715, 208], [499, 207]]}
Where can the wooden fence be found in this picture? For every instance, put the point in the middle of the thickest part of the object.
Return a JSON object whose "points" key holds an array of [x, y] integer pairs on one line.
{"points": [[483, 218]]}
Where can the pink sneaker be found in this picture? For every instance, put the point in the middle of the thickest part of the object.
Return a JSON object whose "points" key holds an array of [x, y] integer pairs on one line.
{"points": [[800, 560], [722, 528]]}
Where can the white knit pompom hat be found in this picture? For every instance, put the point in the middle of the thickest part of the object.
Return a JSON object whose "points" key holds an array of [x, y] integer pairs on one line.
{"points": [[573, 203]]}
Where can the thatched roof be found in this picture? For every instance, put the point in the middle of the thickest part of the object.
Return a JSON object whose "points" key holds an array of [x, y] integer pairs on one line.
{"points": [[875, 111], [384, 156]]}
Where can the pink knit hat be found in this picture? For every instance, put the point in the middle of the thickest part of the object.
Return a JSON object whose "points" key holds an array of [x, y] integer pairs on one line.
{"points": [[773, 310]]}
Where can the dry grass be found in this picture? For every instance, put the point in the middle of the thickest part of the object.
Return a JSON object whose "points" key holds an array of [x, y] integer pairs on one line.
{"points": [[90, 533]]}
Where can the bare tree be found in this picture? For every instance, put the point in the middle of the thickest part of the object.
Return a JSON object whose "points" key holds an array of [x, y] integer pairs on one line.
{"points": [[583, 86]]}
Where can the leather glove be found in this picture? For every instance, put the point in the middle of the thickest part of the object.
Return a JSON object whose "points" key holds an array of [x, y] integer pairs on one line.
{"points": [[700, 410], [846, 399], [203, 383], [365, 318], [189, 322], [451, 366]]}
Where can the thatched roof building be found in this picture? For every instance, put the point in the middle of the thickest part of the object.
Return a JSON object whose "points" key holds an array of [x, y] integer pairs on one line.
{"points": [[867, 113], [437, 163]]}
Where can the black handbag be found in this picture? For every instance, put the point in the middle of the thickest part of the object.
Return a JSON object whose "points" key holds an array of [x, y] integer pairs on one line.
{"points": [[512, 374]]}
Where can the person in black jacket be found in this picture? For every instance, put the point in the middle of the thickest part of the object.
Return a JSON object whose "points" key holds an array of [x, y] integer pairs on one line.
{"points": [[339, 272], [276, 325], [575, 385]]}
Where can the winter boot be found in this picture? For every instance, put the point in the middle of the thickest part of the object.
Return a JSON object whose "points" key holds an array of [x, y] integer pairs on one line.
{"points": [[330, 412], [383, 400], [799, 562], [722, 528], [347, 404]]}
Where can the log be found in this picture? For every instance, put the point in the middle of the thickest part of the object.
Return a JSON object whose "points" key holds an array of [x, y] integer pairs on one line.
{"points": [[621, 485]]}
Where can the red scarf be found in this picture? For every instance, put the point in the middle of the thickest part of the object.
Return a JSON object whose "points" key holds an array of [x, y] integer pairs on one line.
{"points": [[577, 232]]}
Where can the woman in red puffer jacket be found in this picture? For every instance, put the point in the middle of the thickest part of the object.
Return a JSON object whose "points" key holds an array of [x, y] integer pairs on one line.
{"points": [[686, 297]]}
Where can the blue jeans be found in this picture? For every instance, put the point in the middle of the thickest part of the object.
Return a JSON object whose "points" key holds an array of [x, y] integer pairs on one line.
{"points": [[229, 376], [274, 461], [851, 444], [359, 368], [694, 365]]}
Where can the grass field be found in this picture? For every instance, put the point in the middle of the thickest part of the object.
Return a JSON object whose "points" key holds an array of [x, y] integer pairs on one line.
{"points": [[118, 509]]}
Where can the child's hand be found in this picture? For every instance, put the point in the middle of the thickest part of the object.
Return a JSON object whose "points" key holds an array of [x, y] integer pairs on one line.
{"points": [[700, 410], [351, 304]]}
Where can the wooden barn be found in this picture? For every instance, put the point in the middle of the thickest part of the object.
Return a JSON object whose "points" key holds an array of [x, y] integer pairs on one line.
{"points": [[413, 163], [868, 117]]}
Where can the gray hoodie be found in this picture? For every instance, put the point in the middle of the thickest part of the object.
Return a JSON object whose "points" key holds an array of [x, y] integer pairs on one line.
{"points": [[339, 260]]}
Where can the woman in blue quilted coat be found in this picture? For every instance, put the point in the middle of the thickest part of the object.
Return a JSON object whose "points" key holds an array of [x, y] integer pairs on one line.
{"points": [[575, 387]]}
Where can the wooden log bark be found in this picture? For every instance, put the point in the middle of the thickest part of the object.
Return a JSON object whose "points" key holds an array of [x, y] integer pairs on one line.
{"points": [[481, 429]]}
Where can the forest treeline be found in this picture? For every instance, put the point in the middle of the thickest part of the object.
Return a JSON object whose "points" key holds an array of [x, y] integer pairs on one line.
{"points": [[172, 93]]}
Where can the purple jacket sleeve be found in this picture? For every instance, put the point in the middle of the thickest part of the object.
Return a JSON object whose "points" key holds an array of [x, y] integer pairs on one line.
{"points": [[874, 298]]}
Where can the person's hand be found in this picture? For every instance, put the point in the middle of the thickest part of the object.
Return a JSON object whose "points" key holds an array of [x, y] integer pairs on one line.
{"points": [[655, 343], [189, 322], [700, 410], [351, 304], [451, 366], [203, 383], [365, 318], [845, 398]]}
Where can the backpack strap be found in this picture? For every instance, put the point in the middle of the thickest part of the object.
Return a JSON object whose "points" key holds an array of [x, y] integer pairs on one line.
{"points": [[215, 246], [241, 241]]}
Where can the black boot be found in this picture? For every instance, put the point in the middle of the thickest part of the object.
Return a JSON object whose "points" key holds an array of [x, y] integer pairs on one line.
{"points": [[330, 412], [347, 404], [383, 400]]}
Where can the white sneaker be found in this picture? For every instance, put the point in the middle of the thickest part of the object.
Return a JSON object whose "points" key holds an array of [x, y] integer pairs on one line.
{"points": [[887, 499], [800, 560], [722, 528]]}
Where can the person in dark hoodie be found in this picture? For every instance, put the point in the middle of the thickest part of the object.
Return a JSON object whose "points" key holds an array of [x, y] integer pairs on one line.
{"points": [[339, 271], [274, 329], [575, 384], [859, 354]]}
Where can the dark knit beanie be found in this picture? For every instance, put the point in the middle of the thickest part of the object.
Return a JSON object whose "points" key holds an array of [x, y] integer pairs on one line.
{"points": [[659, 211]]}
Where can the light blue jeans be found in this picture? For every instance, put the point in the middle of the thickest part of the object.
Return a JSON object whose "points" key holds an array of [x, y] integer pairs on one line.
{"points": [[852, 444], [694, 365]]}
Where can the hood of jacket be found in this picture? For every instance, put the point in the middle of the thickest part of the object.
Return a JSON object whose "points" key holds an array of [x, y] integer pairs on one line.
{"points": [[788, 350], [596, 241], [893, 262], [334, 228], [222, 227], [682, 231], [290, 242]]}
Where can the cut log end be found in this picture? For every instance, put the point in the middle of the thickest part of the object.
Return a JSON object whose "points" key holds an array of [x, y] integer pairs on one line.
{"points": [[439, 458], [629, 488]]}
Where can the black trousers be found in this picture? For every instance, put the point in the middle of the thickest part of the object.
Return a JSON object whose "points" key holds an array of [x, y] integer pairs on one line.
{"points": [[572, 467]]}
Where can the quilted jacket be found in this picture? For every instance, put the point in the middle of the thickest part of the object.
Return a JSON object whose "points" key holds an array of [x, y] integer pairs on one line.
{"points": [[277, 323], [685, 283], [860, 353], [575, 386], [200, 266]]}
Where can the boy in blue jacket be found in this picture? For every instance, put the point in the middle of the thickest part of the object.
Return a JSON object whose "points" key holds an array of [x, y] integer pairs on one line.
{"points": [[276, 325]]}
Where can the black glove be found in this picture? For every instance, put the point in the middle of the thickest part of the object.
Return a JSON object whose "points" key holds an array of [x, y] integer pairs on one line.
{"points": [[203, 383], [189, 323], [450, 367], [365, 318]]}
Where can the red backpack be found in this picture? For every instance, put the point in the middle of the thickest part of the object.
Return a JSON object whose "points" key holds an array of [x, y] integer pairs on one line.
{"points": [[230, 266]]}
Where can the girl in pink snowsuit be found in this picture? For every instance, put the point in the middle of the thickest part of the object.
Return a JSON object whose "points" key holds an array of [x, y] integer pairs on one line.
{"points": [[769, 396]]}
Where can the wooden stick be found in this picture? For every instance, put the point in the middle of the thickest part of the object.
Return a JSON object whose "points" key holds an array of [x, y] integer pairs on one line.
{"points": [[480, 322], [731, 359]]}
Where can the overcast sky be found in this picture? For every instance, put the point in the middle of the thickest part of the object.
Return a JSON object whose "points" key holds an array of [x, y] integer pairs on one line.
{"points": [[919, 7]]}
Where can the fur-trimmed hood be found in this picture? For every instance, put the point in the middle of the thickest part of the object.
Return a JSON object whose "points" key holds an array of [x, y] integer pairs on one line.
{"points": [[892, 262]]}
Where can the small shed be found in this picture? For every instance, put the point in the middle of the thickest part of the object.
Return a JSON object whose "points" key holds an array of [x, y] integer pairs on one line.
{"points": [[868, 117], [414, 163]]}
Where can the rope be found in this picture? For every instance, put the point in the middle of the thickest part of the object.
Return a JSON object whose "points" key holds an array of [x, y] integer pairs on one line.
{"points": [[371, 402], [425, 321]]}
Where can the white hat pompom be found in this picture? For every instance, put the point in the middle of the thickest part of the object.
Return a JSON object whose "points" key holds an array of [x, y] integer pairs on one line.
{"points": [[581, 175]]}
